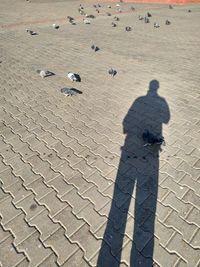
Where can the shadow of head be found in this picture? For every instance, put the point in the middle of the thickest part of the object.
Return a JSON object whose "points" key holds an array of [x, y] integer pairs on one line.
{"points": [[153, 87]]}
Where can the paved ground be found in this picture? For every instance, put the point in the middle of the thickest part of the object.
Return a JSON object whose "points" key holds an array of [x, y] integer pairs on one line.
{"points": [[78, 188]]}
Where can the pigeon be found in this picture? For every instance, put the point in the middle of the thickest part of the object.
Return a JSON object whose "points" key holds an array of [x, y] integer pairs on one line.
{"points": [[97, 10], [109, 6], [112, 72], [128, 29], [140, 17], [95, 48], [114, 24], [167, 22], [55, 26], [86, 21], [189, 10], [156, 25], [116, 18], [150, 139], [149, 15], [45, 73], [132, 8], [170, 7], [70, 19], [108, 14], [119, 10], [117, 5], [94, 6], [146, 20], [70, 91], [81, 12], [90, 16], [31, 32], [74, 77], [99, 5]]}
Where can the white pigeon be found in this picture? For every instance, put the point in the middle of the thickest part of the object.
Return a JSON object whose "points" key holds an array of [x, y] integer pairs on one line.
{"points": [[74, 77], [86, 21], [45, 73], [117, 5]]}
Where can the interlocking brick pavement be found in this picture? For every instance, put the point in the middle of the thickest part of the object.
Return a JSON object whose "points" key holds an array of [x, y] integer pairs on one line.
{"points": [[77, 187]]}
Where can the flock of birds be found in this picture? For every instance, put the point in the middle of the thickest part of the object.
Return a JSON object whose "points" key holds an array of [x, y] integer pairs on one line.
{"points": [[74, 77], [148, 138]]}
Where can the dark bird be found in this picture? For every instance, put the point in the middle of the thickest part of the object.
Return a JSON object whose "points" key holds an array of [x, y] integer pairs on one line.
{"points": [[132, 8], [31, 32], [128, 29], [167, 22], [90, 16], [156, 25], [170, 7], [112, 72], [70, 19], [108, 14], [97, 10], [151, 139], [189, 10], [94, 6], [114, 24], [99, 5], [70, 91], [146, 20], [95, 48], [116, 18], [149, 15]]}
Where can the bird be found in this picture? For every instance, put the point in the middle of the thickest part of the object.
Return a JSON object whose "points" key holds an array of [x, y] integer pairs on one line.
{"points": [[167, 22], [140, 17], [146, 20], [189, 10], [71, 20], [55, 26], [95, 48], [149, 15], [97, 10], [99, 5], [132, 8], [116, 18], [170, 7], [95, 6], [109, 6], [45, 73], [74, 77], [151, 139], [119, 10], [90, 16], [70, 91], [86, 21], [112, 72], [108, 14], [156, 25], [128, 29], [31, 32], [114, 24], [117, 5]]}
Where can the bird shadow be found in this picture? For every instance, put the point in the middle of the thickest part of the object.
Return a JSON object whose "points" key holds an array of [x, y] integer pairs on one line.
{"points": [[134, 200]]}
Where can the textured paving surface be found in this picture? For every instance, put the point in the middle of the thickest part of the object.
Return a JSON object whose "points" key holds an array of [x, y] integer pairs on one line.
{"points": [[78, 188]]}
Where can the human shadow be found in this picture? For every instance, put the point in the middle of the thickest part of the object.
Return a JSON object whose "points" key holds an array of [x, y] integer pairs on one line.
{"points": [[133, 206]]}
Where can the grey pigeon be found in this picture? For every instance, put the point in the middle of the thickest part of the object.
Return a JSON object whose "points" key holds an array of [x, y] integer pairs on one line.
{"points": [[156, 25], [31, 32], [112, 72], [108, 14], [114, 24], [146, 20], [170, 7], [74, 77], [128, 29], [151, 139], [90, 16], [149, 15], [167, 22], [116, 18], [95, 48], [140, 17], [45, 73], [132, 8], [70, 91]]}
